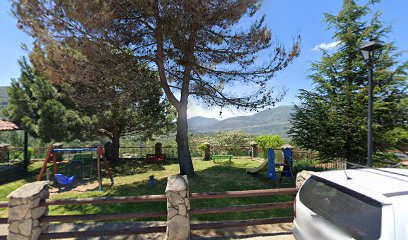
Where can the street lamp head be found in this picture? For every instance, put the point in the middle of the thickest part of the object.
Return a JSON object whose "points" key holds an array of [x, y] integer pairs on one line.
{"points": [[368, 49]]}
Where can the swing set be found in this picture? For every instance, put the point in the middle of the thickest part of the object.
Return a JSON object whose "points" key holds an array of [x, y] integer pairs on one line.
{"points": [[55, 151]]}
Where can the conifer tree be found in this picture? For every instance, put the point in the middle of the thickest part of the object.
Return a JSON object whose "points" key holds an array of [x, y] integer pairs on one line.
{"points": [[331, 118], [195, 46], [36, 105]]}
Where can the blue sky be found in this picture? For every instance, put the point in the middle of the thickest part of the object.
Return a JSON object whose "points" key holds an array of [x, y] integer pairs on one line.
{"points": [[286, 18]]}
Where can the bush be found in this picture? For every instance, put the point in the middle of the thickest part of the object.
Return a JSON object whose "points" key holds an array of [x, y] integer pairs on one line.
{"points": [[269, 141], [308, 165], [233, 138], [202, 147]]}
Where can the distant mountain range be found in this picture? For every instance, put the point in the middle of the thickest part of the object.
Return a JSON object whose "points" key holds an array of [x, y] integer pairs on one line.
{"points": [[270, 121]]}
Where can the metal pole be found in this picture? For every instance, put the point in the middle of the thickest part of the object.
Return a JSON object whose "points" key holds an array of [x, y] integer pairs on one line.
{"points": [[26, 160], [370, 117]]}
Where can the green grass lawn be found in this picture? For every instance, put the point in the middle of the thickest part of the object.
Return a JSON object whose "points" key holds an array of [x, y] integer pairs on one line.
{"points": [[131, 179], [33, 171]]}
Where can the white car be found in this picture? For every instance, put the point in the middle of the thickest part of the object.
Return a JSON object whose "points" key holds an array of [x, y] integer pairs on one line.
{"points": [[353, 204]]}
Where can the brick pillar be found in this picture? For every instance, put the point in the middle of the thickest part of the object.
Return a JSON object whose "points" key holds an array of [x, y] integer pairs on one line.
{"points": [[158, 148], [178, 206], [25, 210]]}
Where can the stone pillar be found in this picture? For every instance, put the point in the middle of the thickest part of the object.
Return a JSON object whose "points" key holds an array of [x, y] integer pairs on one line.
{"points": [[301, 177], [207, 151], [255, 149], [178, 206], [158, 150], [25, 210]]}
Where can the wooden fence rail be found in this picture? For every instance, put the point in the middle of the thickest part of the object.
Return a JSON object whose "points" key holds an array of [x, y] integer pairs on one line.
{"points": [[106, 200], [101, 217], [247, 193], [242, 208], [162, 198], [240, 223]]}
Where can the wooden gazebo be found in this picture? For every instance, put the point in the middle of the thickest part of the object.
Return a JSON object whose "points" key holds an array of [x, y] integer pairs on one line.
{"points": [[10, 126]]}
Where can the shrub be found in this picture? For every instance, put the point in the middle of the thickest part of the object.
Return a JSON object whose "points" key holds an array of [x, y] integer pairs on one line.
{"points": [[202, 147], [269, 141], [309, 165]]}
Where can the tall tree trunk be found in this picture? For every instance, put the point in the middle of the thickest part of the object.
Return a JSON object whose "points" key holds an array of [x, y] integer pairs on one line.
{"points": [[186, 165], [115, 147]]}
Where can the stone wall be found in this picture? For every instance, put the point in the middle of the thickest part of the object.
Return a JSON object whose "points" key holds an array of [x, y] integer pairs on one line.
{"points": [[25, 210], [178, 206]]}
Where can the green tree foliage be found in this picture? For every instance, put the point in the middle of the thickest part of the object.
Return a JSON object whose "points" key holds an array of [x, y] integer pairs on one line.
{"points": [[63, 112], [331, 118], [35, 105], [194, 45], [233, 138], [269, 141], [121, 96]]}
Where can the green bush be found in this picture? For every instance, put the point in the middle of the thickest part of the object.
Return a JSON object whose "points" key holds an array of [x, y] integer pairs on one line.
{"points": [[269, 141], [307, 165], [202, 147]]}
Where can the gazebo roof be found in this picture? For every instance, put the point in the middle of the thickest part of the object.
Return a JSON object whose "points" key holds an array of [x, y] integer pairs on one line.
{"points": [[8, 126]]}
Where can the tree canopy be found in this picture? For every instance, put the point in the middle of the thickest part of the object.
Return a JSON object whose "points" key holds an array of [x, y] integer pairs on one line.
{"points": [[121, 96], [195, 46], [331, 118], [87, 109], [36, 105]]}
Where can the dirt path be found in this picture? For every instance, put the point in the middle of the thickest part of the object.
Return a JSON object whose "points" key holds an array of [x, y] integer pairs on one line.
{"points": [[261, 232]]}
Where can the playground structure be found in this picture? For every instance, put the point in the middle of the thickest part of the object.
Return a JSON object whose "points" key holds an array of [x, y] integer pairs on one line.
{"points": [[56, 151], [269, 165]]}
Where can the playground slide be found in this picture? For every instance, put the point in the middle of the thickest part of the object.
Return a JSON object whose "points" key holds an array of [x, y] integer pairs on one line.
{"points": [[261, 168]]}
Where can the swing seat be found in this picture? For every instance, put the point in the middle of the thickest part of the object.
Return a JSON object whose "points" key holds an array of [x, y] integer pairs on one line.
{"points": [[64, 180]]}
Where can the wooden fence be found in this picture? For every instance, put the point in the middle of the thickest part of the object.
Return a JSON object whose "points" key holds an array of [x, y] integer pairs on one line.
{"points": [[162, 198]]}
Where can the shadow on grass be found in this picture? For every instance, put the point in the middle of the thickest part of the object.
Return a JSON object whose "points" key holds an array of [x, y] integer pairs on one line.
{"points": [[217, 178], [127, 167]]}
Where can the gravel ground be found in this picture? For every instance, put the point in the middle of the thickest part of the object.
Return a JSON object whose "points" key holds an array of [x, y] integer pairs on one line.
{"points": [[261, 232]]}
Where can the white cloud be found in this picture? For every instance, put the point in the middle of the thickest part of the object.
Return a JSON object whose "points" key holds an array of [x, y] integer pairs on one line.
{"points": [[195, 109], [326, 46]]}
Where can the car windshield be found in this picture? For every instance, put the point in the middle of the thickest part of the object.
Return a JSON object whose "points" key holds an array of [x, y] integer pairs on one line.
{"points": [[354, 213]]}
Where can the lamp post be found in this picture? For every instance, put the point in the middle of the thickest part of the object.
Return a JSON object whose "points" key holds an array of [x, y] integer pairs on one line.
{"points": [[368, 51]]}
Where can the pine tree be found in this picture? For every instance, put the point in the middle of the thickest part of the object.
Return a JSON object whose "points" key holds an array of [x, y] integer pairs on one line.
{"points": [[195, 45], [331, 118], [121, 96], [87, 110], [35, 104]]}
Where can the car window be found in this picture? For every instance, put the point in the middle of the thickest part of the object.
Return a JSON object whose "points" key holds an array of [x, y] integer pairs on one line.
{"points": [[352, 212]]}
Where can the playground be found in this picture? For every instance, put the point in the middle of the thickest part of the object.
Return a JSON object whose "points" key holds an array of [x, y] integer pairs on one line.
{"points": [[132, 179], [227, 190]]}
